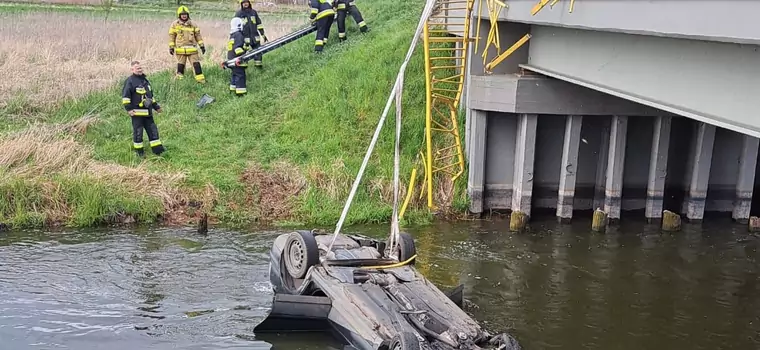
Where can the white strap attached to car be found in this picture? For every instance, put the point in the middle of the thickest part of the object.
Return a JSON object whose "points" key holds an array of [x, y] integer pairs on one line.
{"points": [[395, 92]]}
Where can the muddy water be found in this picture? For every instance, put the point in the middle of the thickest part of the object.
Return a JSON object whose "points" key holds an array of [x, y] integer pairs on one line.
{"points": [[557, 287]]}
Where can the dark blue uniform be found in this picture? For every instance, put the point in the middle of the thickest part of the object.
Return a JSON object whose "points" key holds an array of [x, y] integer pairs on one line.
{"points": [[137, 96]]}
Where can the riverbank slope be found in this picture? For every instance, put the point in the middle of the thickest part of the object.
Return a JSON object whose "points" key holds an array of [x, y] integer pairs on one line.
{"points": [[286, 153]]}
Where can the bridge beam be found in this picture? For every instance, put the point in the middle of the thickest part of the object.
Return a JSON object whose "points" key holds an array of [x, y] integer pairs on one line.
{"points": [[698, 172], [525, 151], [745, 181], [477, 159], [658, 168], [569, 167], [615, 165]]}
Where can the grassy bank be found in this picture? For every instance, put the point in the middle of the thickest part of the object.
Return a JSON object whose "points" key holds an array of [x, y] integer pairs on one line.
{"points": [[285, 154]]}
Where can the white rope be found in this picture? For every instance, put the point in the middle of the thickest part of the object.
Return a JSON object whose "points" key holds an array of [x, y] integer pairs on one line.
{"points": [[396, 88]]}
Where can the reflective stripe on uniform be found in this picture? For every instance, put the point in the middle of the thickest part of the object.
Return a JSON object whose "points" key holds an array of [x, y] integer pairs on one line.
{"points": [[200, 77], [362, 24], [137, 145], [186, 50], [325, 13], [232, 87], [314, 11], [141, 112], [125, 100], [140, 91], [260, 26], [155, 143], [341, 6], [318, 42], [238, 50], [241, 91]]}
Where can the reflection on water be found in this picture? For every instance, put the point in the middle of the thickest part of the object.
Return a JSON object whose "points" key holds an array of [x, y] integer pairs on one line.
{"points": [[556, 287]]}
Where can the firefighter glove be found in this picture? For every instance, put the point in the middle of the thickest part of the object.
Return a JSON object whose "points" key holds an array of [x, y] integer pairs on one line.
{"points": [[171, 51], [203, 49]]}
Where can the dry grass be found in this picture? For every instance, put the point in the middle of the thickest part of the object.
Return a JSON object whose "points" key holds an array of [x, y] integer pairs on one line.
{"points": [[44, 151], [92, 53], [272, 191]]}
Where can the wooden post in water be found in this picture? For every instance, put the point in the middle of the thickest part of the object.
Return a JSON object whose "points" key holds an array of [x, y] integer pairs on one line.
{"points": [[203, 224], [517, 221], [599, 221], [671, 221], [754, 224]]}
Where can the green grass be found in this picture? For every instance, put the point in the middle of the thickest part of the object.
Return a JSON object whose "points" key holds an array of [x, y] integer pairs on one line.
{"points": [[315, 113]]}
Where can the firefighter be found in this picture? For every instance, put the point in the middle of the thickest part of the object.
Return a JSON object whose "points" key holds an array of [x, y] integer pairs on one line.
{"points": [[323, 14], [346, 7], [139, 102], [235, 49], [253, 30], [184, 40]]}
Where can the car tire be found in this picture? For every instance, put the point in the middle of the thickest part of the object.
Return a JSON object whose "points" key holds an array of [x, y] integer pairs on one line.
{"points": [[301, 253], [405, 341], [406, 248]]}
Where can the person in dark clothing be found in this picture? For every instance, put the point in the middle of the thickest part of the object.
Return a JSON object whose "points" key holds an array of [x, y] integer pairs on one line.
{"points": [[138, 100], [253, 29], [323, 13], [235, 49], [345, 8]]}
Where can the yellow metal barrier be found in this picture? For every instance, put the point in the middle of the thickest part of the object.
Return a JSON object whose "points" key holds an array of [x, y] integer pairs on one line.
{"points": [[446, 38]]}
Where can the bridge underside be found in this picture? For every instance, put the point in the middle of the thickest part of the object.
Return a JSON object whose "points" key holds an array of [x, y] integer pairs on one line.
{"points": [[582, 119]]}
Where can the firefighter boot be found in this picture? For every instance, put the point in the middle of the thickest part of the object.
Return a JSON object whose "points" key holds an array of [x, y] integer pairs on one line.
{"points": [[199, 77], [180, 70]]}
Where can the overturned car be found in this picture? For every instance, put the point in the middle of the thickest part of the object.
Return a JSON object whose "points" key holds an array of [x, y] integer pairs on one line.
{"points": [[366, 299]]}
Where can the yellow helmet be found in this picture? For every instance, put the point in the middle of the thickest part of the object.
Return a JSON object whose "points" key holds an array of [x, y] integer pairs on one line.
{"points": [[183, 9]]}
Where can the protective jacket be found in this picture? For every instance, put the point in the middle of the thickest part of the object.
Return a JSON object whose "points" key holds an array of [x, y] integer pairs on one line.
{"points": [[253, 29], [185, 37], [137, 96], [235, 46], [321, 9]]}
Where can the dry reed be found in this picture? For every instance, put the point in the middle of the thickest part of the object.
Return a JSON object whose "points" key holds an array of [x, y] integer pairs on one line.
{"points": [[47, 150], [53, 56]]}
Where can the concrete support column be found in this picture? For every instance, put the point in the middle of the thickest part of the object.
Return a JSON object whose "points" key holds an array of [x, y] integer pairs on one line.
{"points": [[601, 168], [699, 172], [525, 150], [615, 163], [746, 178], [658, 167], [477, 164], [569, 168]]}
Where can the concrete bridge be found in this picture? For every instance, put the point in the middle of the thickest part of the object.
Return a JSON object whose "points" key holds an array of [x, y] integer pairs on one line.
{"points": [[621, 105]]}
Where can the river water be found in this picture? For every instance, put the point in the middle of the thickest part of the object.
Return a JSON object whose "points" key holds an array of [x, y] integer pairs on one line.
{"points": [[555, 287]]}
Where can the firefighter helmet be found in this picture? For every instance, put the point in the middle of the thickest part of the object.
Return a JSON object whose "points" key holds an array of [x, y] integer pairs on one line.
{"points": [[242, 1], [236, 24], [183, 9]]}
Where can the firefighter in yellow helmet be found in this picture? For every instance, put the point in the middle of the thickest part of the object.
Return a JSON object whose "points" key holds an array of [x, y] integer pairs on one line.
{"points": [[184, 40]]}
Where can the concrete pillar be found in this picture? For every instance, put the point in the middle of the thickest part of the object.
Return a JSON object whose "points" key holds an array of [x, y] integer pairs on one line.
{"points": [[699, 172], [613, 188], [569, 167], [601, 168], [525, 150], [746, 178], [477, 164], [658, 167]]}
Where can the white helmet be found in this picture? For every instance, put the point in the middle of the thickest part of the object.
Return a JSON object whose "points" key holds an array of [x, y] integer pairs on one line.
{"points": [[236, 25]]}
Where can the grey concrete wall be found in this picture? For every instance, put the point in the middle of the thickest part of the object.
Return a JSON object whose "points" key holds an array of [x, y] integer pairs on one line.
{"points": [[711, 82], [500, 162], [516, 93], [714, 20]]}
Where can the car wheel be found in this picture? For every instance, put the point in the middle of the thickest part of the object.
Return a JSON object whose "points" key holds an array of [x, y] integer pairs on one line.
{"points": [[301, 253], [405, 341], [406, 248]]}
